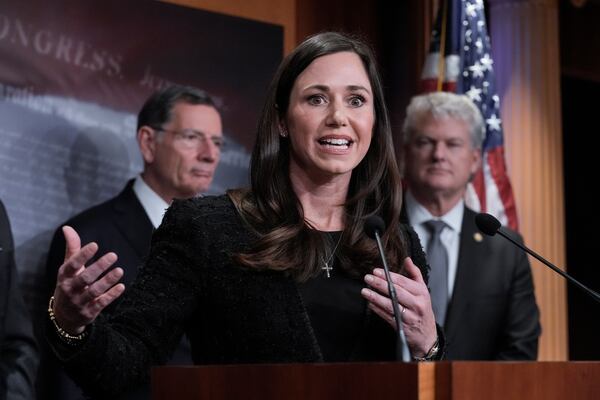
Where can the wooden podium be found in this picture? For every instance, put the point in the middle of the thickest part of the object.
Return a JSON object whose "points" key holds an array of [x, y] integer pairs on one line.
{"points": [[422, 381]]}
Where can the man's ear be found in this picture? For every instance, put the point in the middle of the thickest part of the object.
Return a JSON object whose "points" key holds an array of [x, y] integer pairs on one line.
{"points": [[146, 138], [477, 154]]}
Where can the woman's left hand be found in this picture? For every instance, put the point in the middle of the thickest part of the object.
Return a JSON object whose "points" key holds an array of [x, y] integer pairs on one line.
{"points": [[416, 313]]}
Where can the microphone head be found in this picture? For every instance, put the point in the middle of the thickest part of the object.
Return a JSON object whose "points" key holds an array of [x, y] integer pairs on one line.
{"points": [[487, 223], [374, 224]]}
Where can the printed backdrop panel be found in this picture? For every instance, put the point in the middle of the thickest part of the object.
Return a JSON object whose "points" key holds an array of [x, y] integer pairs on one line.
{"points": [[74, 74]]}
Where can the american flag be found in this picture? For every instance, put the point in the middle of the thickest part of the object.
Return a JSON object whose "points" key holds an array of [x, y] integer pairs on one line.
{"points": [[467, 68]]}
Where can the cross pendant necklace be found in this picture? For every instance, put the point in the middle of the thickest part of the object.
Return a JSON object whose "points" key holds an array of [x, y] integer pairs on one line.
{"points": [[327, 268]]}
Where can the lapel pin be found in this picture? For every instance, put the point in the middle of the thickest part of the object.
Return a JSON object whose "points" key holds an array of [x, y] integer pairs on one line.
{"points": [[478, 237]]}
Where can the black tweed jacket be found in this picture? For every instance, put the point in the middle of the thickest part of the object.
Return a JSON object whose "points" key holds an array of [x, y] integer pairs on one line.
{"points": [[231, 315]]}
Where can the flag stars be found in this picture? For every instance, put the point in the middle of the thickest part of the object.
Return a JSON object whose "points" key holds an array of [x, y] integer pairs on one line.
{"points": [[479, 45], [471, 10], [477, 70], [487, 62], [493, 122], [474, 93]]}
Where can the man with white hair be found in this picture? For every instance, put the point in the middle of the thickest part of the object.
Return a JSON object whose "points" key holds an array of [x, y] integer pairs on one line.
{"points": [[481, 287]]}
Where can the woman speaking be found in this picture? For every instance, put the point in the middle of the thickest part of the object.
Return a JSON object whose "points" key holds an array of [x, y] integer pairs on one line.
{"points": [[280, 272]]}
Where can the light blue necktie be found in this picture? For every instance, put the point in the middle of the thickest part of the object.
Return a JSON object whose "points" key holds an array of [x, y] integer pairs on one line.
{"points": [[438, 276]]}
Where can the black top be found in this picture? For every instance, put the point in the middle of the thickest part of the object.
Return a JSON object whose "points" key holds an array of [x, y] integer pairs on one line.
{"points": [[337, 312], [336, 309], [231, 314]]}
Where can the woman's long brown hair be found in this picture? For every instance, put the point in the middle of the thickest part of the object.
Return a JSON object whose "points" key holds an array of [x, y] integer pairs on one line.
{"points": [[271, 208]]}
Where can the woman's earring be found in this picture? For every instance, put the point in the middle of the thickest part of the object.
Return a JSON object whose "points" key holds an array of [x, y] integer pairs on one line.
{"points": [[283, 132]]}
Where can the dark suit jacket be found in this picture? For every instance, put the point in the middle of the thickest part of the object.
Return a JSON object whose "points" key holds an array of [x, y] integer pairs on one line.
{"points": [[120, 225], [18, 349], [492, 314]]}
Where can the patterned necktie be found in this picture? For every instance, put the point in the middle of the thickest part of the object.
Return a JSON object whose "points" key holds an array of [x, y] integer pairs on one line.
{"points": [[438, 276]]}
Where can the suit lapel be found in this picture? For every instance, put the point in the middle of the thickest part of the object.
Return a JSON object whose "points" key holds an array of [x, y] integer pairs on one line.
{"points": [[133, 221], [471, 249]]}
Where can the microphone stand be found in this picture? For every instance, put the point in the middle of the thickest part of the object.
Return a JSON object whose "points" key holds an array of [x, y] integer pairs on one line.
{"points": [[569, 278], [402, 353]]}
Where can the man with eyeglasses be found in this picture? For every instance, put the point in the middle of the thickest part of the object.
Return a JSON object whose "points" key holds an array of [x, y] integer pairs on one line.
{"points": [[179, 133]]}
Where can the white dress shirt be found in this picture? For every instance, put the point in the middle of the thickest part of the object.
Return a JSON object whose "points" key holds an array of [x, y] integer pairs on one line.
{"points": [[450, 235], [153, 204]]}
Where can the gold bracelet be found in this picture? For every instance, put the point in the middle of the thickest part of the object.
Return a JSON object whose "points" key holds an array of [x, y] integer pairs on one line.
{"points": [[62, 334], [432, 353]]}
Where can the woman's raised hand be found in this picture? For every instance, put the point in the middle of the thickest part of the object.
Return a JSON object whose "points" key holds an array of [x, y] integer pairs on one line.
{"points": [[81, 293], [417, 316]]}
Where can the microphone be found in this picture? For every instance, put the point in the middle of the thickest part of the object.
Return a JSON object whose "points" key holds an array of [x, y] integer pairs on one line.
{"points": [[489, 225], [373, 226]]}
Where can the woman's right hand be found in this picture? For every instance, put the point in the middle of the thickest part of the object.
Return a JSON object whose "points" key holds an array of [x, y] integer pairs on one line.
{"points": [[80, 296]]}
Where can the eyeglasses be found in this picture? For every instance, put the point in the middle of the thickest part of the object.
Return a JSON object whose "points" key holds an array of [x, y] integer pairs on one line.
{"points": [[192, 139]]}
